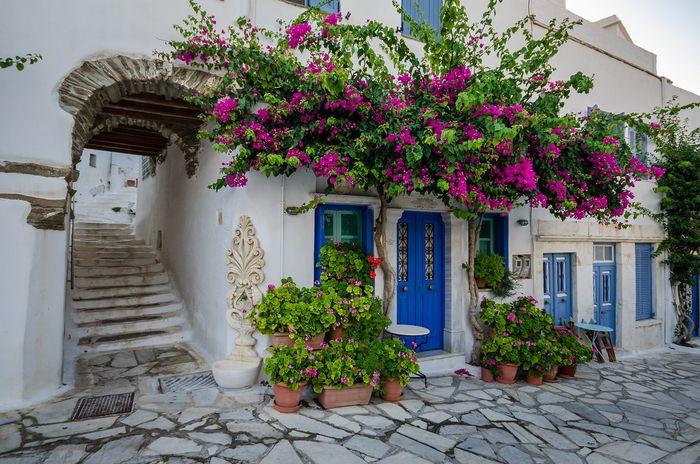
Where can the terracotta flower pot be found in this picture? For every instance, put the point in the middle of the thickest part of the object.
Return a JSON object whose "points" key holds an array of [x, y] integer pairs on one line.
{"points": [[486, 375], [281, 338], [533, 379], [332, 397], [567, 372], [507, 373], [392, 391], [287, 399], [338, 332], [551, 376], [480, 282]]}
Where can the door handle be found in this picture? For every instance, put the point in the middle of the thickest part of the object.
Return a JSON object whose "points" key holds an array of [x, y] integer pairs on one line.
{"points": [[431, 286], [404, 288]]}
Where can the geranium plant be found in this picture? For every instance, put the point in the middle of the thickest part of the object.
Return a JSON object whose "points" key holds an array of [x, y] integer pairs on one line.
{"points": [[397, 361], [520, 318], [291, 365], [341, 364], [347, 268], [538, 356], [578, 352], [501, 350]]}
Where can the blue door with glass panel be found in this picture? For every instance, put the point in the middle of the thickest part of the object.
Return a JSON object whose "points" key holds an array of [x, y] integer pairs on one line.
{"points": [[556, 274], [604, 286], [420, 276]]}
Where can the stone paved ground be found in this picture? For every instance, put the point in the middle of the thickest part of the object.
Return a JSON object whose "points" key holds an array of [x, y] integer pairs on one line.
{"points": [[641, 410]]}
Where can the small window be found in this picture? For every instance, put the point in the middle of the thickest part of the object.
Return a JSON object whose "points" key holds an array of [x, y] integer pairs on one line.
{"points": [[643, 253], [545, 277], [332, 6], [93, 160], [604, 253], [561, 276], [419, 11], [487, 236], [639, 143], [148, 167]]}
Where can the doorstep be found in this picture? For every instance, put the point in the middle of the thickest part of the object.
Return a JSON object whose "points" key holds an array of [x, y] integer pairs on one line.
{"points": [[438, 362]]}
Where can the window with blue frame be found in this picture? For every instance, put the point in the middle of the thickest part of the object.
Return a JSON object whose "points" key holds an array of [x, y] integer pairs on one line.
{"points": [[332, 6], [644, 272], [344, 224], [419, 11], [639, 142], [493, 237]]}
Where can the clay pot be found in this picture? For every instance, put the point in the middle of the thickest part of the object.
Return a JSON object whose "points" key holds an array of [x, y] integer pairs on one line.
{"points": [[480, 282], [507, 373], [567, 372], [533, 379], [551, 376], [287, 399], [283, 339], [486, 375], [338, 332], [392, 390], [332, 397]]}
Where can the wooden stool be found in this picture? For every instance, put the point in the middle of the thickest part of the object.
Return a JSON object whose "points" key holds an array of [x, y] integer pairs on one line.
{"points": [[609, 348]]}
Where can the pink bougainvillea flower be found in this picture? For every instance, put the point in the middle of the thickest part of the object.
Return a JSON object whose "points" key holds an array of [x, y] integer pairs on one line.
{"points": [[511, 317], [222, 108], [297, 33]]}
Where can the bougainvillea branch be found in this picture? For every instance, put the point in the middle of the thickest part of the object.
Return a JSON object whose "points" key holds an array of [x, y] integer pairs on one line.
{"points": [[474, 120]]}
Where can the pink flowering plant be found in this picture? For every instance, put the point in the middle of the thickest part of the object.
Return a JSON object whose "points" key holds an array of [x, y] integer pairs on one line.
{"points": [[345, 267], [501, 350], [353, 103], [539, 356], [397, 361], [301, 312], [521, 318], [578, 352], [341, 364], [291, 365]]}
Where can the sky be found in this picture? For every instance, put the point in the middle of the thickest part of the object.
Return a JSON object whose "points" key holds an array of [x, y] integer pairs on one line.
{"points": [[669, 28]]}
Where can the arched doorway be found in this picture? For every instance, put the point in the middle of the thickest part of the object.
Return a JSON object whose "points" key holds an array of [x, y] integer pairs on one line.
{"points": [[119, 295]]}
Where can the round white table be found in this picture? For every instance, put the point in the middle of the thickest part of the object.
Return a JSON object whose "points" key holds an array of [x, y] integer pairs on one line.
{"points": [[411, 331]]}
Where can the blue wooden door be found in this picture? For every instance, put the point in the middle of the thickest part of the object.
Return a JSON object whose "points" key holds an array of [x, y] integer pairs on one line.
{"points": [[604, 295], [695, 306], [557, 286], [420, 276]]}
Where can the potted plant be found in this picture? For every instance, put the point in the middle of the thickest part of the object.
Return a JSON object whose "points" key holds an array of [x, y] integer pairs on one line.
{"points": [[289, 313], [536, 358], [580, 353], [557, 355], [397, 364], [341, 379], [489, 270], [506, 353], [290, 368]]}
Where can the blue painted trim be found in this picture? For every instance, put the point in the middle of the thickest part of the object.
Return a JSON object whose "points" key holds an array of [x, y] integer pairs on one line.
{"points": [[501, 230], [367, 229]]}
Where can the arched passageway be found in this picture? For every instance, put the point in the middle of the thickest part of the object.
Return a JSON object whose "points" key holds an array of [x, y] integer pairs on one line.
{"points": [[120, 295]]}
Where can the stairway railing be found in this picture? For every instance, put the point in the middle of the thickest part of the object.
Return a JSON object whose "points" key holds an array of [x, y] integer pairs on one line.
{"points": [[71, 228]]}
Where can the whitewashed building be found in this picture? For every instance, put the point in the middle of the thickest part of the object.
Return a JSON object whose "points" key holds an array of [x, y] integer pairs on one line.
{"points": [[99, 88]]}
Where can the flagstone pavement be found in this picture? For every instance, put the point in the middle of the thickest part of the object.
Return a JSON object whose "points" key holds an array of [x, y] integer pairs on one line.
{"points": [[642, 409]]}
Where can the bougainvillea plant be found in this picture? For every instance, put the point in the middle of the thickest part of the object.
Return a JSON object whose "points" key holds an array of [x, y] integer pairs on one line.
{"points": [[354, 104]]}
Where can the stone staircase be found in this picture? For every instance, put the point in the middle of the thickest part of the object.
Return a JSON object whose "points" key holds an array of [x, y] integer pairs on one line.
{"points": [[122, 297], [114, 207]]}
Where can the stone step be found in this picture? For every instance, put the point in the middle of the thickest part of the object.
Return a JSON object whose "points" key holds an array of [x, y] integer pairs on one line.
{"points": [[104, 329], [109, 243], [114, 303], [125, 254], [157, 338], [90, 226], [103, 235], [115, 292], [111, 262], [121, 281], [117, 270], [101, 315]]}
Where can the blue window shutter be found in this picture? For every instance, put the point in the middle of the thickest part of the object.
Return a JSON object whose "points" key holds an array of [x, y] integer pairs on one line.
{"points": [[320, 233], [422, 10], [332, 7], [643, 270]]}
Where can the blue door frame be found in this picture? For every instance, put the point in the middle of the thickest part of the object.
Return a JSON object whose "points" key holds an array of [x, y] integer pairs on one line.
{"points": [[421, 274], [605, 295], [557, 287]]}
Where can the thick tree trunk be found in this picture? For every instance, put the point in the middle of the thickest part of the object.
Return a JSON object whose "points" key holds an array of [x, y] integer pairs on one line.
{"points": [[684, 322], [380, 243], [473, 229]]}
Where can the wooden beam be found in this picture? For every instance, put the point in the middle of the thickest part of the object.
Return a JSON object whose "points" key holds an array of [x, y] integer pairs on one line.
{"points": [[134, 150], [154, 142], [146, 98], [151, 115]]}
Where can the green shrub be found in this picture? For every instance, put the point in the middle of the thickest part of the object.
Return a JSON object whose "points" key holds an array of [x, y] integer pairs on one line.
{"points": [[489, 267]]}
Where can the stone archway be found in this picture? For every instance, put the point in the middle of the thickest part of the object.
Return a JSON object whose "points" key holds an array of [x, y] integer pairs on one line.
{"points": [[86, 91]]}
